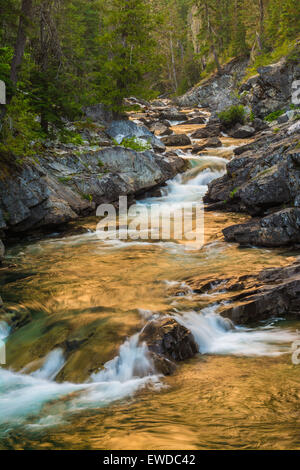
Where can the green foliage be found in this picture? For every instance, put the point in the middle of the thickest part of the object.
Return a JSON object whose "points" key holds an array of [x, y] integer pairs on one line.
{"points": [[70, 137], [21, 133], [233, 192], [275, 115], [64, 179], [134, 143], [233, 115]]}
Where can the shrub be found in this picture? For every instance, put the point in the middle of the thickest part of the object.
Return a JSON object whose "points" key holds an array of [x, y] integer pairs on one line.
{"points": [[134, 143], [233, 115], [275, 115]]}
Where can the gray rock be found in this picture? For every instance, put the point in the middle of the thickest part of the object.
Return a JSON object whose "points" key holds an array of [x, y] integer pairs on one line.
{"points": [[274, 292], [160, 129], [259, 124], [242, 132], [119, 130], [55, 191], [195, 120], [172, 114], [271, 89], [218, 92]]}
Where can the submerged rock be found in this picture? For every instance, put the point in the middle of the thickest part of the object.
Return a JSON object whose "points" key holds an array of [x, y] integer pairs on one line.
{"points": [[168, 342]]}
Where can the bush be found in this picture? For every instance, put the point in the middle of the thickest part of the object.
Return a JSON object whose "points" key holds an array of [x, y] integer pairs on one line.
{"points": [[235, 114], [134, 143], [275, 115]]}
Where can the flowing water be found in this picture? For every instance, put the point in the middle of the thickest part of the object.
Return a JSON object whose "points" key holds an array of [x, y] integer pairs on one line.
{"points": [[77, 375]]}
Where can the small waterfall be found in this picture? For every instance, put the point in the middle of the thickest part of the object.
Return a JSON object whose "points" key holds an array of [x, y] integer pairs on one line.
{"points": [[217, 335], [54, 362], [24, 395]]}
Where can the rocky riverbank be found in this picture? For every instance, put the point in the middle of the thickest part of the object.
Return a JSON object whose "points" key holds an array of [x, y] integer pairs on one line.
{"points": [[272, 293]]}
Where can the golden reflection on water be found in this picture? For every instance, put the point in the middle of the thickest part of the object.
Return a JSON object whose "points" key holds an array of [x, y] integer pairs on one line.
{"points": [[78, 288], [212, 402]]}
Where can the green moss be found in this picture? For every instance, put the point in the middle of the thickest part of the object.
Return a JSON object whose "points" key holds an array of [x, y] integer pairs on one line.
{"points": [[133, 143], [64, 179], [88, 197], [233, 192], [275, 115]]}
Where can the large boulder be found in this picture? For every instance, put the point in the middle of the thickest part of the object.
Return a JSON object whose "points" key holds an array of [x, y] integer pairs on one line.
{"points": [[168, 343], [57, 190], [271, 89], [172, 114], [263, 180], [119, 130], [242, 132], [176, 140], [277, 229], [217, 92], [271, 293], [212, 129]]}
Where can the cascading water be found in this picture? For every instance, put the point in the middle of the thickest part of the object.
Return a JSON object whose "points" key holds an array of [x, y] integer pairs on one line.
{"points": [[37, 399]]}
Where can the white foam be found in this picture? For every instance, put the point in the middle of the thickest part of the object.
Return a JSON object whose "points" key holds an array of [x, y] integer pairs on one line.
{"points": [[217, 335]]}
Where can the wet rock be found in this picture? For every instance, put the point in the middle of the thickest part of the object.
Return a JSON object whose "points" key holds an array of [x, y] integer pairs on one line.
{"points": [[250, 299], [168, 342], [160, 129], [176, 140], [212, 129], [277, 229], [195, 120], [242, 132], [213, 142], [264, 180], [172, 115]]}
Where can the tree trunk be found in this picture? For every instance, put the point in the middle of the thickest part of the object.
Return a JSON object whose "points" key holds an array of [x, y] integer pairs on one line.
{"points": [[26, 9], [261, 24], [173, 63]]}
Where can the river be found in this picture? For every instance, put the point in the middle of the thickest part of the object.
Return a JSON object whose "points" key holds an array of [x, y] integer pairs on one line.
{"points": [[241, 392]]}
